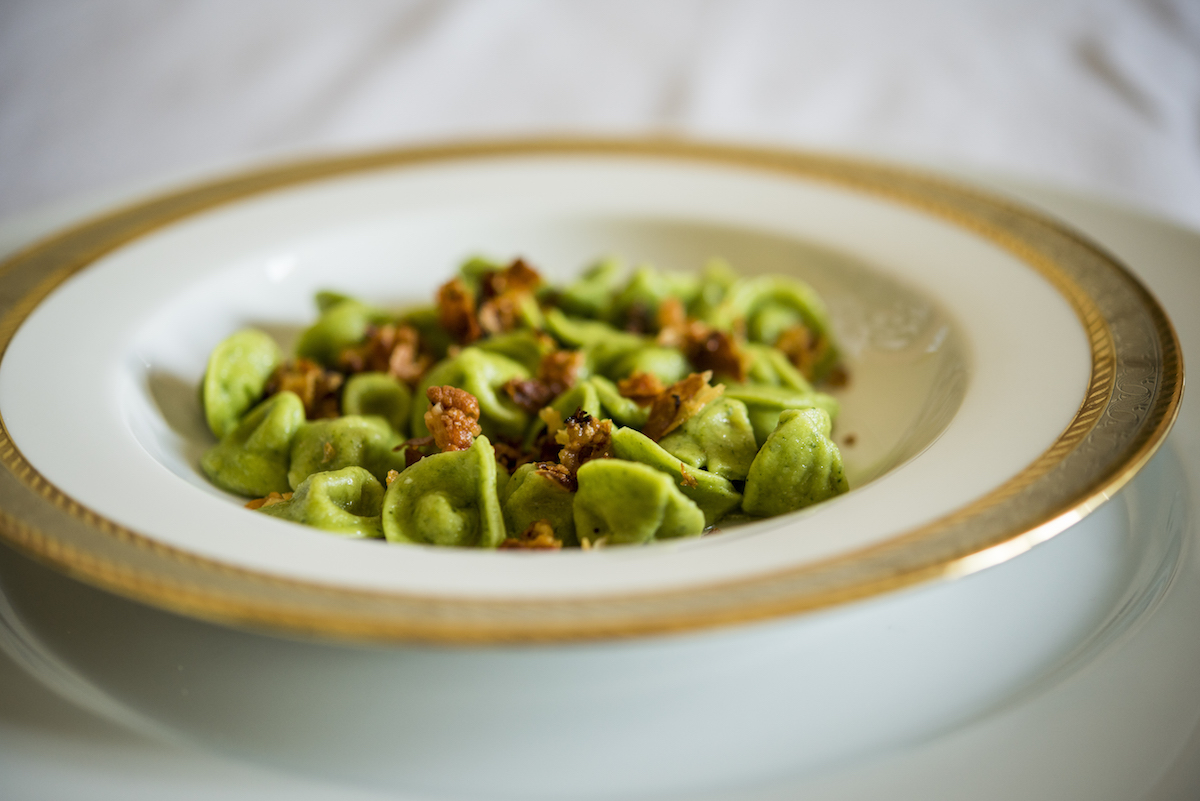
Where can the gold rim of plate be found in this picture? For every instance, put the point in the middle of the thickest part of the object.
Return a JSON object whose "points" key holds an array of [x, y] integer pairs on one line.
{"points": [[1132, 399]]}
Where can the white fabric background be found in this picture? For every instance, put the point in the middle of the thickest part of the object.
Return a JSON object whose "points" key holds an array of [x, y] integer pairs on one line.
{"points": [[1099, 96]]}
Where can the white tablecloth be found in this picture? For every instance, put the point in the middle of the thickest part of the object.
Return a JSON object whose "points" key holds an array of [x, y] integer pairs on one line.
{"points": [[101, 96], [1102, 96]]}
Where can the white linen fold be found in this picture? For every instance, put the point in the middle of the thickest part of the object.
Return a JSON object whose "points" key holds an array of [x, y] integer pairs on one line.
{"points": [[1098, 96]]}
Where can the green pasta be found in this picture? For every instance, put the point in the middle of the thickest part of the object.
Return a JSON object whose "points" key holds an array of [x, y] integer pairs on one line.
{"points": [[648, 288], [668, 365], [615, 406], [713, 495], [511, 414], [236, 378], [526, 347], [346, 502], [592, 294], [343, 442], [798, 466], [379, 395], [253, 459], [718, 438], [343, 322], [447, 499], [482, 374], [533, 495], [764, 405], [651, 506]]}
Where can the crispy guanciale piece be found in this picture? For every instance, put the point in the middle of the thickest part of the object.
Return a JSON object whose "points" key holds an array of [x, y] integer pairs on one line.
{"points": [[803, 348], [560, 369], [641, 388], [717, 351], [392, 475], [503, 293], [538, 537], [270, 500], [530, 394], [516, 277], [583, 438], [559, 473], [672, 323], [456, 311], [678, 402], [316, 386], [510, 456], [391, 349], [707, 348], [639, 319], [414, 449], [453, 418], [557, 372], [501, 313]]}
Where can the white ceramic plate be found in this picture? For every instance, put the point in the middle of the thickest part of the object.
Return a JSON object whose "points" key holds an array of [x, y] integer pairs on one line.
{"points": [[1070, 672], [1008, 377]]}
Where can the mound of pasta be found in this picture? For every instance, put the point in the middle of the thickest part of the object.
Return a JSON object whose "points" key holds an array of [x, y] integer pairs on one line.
{"points": [[619, 409]]}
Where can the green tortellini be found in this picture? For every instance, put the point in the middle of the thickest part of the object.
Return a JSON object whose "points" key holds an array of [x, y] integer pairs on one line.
{"points": [[668, 364], [648, 287], [760, 448], [342, 324], [770, 367], [524, 346], [769, 305], [236, 377], [798, 466], [615, 406], [253, 458], [482, 374], [324, 445], [719, 439], [628, 503], [326, 300], [474, 269], [715, 496], [582, 396], [381, 395], [716, 279], [598, 397], [346, 502], [434, 338], [447, 499], [531, 496], [764, 404], [616, 354], [577, 332], [592, 294], [602, 343]]}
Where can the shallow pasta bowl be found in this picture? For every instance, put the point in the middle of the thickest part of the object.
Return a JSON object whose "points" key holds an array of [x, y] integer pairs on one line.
{"points": [[1007, 378]]}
